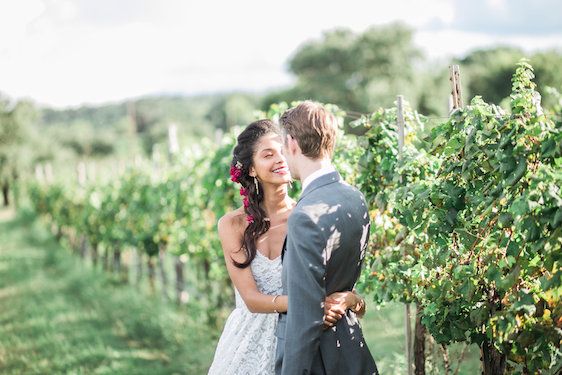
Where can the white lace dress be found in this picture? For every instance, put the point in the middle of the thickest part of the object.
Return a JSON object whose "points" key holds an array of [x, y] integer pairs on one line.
{"points": [[247, 343]]}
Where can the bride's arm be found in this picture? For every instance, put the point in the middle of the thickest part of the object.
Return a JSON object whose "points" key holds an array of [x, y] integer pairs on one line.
{"points": [[230, 232]]}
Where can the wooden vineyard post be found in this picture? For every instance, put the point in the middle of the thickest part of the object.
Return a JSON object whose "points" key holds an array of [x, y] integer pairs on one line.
{"points": [[40, 173], [92, 171], [94, 254], [151, 274], [400, 124], [139, 261], [81, 174], [83, 246], [49, 178], [419, 343], [48, 174], [81, 179], [218, 136], [105, 264], [162, 269], [173, 144], [407, 316], [450, 104], [116, 265], [456, 94], [173, 151], [181, 294]]}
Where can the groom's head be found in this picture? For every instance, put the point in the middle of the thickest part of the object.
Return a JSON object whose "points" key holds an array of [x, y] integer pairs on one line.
{"points": [[309, 131]]}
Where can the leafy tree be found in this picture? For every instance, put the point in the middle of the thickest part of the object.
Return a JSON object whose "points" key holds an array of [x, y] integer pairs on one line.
{"points": [[232, 110], [356, 71], [487, 72]]}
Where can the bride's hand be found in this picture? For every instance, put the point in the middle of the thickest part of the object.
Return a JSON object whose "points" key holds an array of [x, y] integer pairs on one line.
{"points": [[336, 304], [334, 310]]}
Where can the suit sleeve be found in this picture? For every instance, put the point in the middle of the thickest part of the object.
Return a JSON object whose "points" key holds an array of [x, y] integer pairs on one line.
{"points": [[306, 291]]}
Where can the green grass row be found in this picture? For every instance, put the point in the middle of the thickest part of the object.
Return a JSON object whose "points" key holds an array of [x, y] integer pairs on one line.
{"points": [[59, 315]]}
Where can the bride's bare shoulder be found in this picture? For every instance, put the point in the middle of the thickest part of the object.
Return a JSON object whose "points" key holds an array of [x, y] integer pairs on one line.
{"points": [[232, 222], [231, 230]]}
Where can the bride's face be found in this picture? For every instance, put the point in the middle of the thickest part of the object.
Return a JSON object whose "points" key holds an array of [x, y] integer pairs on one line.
{"points": [[269, 164]]}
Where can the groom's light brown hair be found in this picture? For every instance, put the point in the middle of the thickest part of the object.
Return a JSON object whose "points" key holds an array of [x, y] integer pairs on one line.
{"points": [[314, 128]]}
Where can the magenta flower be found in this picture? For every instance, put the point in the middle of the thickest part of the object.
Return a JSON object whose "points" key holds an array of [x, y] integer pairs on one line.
{"points": [[246, 202], [250, 219], [243, 191], [235, 173]]}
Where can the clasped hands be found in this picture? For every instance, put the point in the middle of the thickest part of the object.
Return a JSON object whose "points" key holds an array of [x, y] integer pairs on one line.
{"points": [[337, 304]]}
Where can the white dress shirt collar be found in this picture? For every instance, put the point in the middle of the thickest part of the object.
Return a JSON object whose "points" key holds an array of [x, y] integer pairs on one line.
{"points": [[318, 173]]}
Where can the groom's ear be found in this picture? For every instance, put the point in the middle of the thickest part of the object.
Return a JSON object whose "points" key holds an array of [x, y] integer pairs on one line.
{"points": [[292, 145]]}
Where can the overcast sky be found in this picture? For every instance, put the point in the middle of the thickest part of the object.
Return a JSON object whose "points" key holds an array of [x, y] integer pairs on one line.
{"points": [[71, 52]]}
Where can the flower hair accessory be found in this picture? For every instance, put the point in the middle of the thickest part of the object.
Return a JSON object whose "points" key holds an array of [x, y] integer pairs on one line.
{"points": [[244, 193], [236, 172]]}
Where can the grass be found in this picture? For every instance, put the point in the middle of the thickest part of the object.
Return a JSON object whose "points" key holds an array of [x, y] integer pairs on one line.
{"points": [[59, 316]]}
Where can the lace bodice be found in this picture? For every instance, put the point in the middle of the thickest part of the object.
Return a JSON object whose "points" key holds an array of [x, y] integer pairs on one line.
{"points": [[247, 343], [267, 273]]}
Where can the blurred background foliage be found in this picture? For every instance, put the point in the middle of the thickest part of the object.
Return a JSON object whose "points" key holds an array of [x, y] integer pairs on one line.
{"points": [[359, 72]]}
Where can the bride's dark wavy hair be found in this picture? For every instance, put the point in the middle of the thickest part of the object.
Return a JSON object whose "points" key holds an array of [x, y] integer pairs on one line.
{"points": [[243, 155]]}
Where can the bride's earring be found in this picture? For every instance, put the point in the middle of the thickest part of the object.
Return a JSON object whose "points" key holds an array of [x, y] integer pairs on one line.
{"points": [[291, 183], [257, 186]]}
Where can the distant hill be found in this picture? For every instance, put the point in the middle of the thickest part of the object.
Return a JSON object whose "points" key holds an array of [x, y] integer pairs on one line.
{"points": [[104, 127], [189, 112]]}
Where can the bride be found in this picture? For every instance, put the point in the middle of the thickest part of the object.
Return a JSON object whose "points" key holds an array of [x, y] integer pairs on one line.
{"points": [[252, 237]]}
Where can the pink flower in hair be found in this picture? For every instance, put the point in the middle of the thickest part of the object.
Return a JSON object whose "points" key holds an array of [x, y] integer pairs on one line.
{"points": [[243, 191], [250, 219], [246, 202], [236, 172]]}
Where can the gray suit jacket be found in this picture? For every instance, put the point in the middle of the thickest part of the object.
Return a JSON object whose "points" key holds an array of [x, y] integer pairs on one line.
{"points": [[327, 237]]}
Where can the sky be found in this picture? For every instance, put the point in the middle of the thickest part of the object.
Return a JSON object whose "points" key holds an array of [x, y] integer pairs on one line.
{"points": [[65, 53]]}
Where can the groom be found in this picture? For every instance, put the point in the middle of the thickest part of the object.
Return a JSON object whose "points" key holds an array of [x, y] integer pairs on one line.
{"points": [[326, 241]]}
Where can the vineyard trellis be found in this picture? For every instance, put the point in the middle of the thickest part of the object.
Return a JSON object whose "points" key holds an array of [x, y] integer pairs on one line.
{"points": [[466, 213]]}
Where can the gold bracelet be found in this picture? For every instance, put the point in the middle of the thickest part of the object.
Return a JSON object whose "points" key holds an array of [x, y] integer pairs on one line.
{"points": [[273, 302]]}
